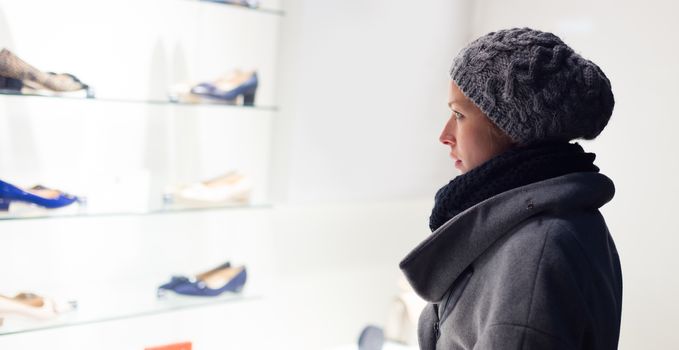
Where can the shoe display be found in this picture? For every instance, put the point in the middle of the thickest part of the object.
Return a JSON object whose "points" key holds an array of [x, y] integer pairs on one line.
{"points": [[224, 278], [35, 81], [29, 305], [230, 87], [230, 188], [38, 195]]}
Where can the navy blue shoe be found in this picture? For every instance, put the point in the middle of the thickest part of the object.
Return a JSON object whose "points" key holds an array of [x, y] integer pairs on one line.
{"points": [[228, 90], [174, 282], [41, 196], [177, 280], [210, 284]]}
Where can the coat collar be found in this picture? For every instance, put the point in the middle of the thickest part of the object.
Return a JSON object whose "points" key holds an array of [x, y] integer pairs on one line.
{"points": [[438, 260]]}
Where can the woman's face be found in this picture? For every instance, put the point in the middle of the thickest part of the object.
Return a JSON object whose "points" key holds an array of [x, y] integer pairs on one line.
{"points": [[469, 133]]}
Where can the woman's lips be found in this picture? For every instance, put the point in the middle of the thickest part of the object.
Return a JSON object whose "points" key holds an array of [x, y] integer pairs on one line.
{"points": [[458, 162]]}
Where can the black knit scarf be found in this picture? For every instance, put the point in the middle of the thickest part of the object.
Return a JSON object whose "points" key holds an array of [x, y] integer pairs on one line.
{"points": [[514, 168]]}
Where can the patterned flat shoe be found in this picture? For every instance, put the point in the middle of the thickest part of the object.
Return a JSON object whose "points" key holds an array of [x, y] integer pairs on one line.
{"points": [[11, 66]]}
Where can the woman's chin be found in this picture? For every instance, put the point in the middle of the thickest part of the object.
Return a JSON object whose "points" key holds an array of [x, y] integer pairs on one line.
{"points": [[459, 166]]}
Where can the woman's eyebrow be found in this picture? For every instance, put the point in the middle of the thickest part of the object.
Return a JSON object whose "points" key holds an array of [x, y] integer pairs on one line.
{"points": [[450, 106]]}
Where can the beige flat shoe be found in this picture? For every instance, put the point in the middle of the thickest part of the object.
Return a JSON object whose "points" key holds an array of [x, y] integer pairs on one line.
{"points": [[32, 306], [230, 188]]}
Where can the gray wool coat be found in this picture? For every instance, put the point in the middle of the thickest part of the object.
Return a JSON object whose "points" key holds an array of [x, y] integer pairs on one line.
{"points": [[531, 268]]}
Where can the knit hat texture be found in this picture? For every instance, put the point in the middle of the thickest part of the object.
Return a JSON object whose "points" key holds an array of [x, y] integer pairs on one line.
{"points": [[533, 86]]}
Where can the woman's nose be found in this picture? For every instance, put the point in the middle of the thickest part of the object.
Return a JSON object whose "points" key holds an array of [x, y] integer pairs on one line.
{"points": [[447, 136]]}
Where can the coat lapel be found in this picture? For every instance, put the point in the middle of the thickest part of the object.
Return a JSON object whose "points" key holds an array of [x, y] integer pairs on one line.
{"points": [[438, 260]]}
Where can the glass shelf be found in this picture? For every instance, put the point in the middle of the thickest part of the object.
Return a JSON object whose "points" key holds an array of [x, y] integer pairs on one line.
{"points": [[39, 213], [130, 302], [257, 9], [146, 102]]}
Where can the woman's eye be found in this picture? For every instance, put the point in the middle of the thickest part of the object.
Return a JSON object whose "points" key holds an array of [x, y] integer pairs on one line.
{"points": [[458, 115]]}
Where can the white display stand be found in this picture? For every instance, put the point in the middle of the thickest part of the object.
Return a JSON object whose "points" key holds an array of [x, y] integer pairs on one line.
{"points": [[123, 148]]}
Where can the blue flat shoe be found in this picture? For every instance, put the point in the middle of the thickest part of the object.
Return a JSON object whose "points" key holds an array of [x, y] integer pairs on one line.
{"points": [[212, 283], [39, 195]]}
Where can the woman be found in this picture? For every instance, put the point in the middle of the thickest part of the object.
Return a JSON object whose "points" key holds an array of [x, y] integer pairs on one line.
{"points": [[520, 256]]}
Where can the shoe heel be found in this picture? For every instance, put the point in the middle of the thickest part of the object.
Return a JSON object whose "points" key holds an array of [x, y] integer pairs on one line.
{"points": [[4, 204], [249, 99]]}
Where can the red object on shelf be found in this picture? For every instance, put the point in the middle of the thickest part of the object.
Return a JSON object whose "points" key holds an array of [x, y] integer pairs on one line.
{"points": [[175, 346]]}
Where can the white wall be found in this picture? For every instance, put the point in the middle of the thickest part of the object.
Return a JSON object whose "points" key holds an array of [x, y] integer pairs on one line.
{"points": [[635, 44], [365, 98]]}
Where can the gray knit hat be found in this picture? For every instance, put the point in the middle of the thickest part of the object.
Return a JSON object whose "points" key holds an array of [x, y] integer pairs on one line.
{"points": [[533, 86]]}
